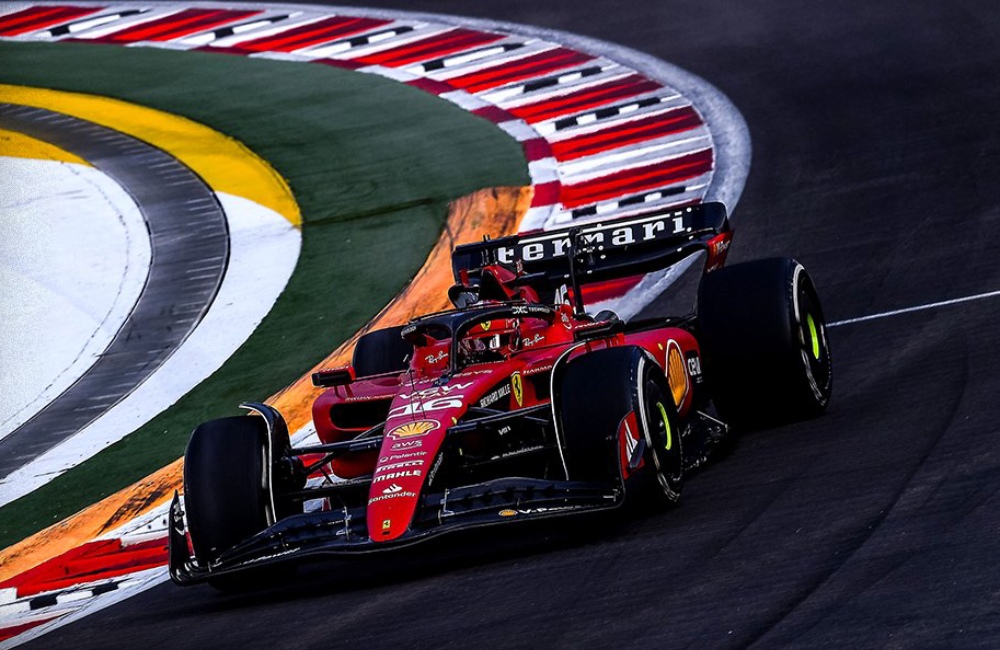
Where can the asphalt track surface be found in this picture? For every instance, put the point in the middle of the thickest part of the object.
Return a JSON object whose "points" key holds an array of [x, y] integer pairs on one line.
{"points": [[189, 241], [876, 143]]}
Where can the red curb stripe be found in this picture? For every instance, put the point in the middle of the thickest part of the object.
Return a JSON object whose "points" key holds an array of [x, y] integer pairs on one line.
{"points": [[90, 562], [546, 194], [529, 67], [448, 42], [494, 114], [35, 18], [323, 31], [176, 25], [431, 86], [655, 126], [632, 181], [536, 149], [338, 63], [53, 567], [21, 628], [586, 99]]}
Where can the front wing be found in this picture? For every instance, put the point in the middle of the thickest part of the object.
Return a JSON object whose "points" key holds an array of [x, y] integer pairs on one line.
{"points": [[345, 532]]}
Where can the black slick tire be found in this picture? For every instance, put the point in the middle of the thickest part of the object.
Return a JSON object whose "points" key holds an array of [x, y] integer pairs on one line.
{"points": [[764, 342], [381, 351], [597, 392], [225, 493]]}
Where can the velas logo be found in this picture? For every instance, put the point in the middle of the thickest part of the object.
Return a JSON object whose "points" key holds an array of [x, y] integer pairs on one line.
{"points": [[411, 429]]}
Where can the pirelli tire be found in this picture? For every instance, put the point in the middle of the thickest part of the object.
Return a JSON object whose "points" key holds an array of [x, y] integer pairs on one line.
{"points": [[764, 341], [380, 352], [596, 392], [226, 498]]}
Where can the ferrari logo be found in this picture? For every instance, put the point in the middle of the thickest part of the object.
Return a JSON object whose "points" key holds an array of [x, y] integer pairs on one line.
{"points": [[410, 429], [486, 325], [386, 524], [517, 388]]}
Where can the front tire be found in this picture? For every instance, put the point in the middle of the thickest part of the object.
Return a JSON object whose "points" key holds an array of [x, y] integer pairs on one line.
{"points": [[226, 497]]}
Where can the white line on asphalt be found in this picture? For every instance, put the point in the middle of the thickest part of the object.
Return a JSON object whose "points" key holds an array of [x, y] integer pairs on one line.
{"points": [[896, 312]]}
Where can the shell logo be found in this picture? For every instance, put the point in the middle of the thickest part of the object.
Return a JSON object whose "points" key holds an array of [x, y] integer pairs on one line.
{"points": [[411, 429], [676, 373]]}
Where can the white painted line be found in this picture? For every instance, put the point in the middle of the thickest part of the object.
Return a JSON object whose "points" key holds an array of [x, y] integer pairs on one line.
{"points": [[465, 100], [910, 310]]}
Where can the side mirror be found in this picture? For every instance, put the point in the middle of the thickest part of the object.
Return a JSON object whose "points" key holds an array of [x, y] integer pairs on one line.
{"points": [[334, 377]]}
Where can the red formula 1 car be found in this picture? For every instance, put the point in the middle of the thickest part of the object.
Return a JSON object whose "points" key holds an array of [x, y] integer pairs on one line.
{"points": [[516, 405]]}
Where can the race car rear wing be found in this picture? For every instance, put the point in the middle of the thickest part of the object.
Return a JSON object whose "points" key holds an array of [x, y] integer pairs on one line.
{"points": [[602, 251]]}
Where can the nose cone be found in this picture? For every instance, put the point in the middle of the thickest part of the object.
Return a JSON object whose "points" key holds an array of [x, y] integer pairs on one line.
{"points": [[417, 424], [408, 452]]}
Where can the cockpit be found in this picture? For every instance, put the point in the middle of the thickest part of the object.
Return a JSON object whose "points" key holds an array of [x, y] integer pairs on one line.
{"points": [[484, 333]]}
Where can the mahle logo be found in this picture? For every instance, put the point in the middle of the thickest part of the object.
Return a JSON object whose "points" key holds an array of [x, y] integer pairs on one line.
{"points": [[411, 429]]}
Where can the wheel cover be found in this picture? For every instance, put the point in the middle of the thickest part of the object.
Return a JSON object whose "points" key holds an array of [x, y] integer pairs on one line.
{"points": [[813, 344], [667, 431], [665, 450], [813, 335]]}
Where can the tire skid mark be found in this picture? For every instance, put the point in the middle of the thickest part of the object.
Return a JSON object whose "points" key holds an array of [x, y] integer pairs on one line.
{"points": [[782, 629]]}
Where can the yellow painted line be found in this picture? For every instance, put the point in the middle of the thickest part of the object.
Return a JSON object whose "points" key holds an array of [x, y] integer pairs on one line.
{"points": [[18, 145], [495, 212], [224, 163]]}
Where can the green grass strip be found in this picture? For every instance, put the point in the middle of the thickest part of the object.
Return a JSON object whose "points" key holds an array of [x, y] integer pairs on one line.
{"points": [[372, 164]]}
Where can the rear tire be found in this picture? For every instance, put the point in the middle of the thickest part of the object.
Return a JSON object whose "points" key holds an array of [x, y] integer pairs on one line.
{"points": [[598, 391], [765, 343], [382, 351]]}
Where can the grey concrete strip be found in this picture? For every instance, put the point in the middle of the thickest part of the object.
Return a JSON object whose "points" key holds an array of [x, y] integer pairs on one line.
{"points": [[187, 229]]}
